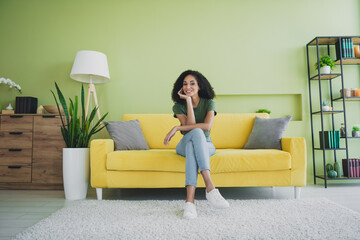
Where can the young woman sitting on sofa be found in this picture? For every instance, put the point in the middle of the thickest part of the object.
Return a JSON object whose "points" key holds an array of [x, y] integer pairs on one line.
{"points": [[195, 109]]}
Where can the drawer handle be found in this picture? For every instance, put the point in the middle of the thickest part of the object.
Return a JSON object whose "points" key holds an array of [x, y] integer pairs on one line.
{"points": [[14, 167], [48, 116], [16, 116], [15, 133], [15, 150]]}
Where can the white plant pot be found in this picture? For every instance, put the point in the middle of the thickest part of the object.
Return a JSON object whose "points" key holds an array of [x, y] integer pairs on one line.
{"points": [[356, 133], [76, 172], [325, 70], [325, 108]]}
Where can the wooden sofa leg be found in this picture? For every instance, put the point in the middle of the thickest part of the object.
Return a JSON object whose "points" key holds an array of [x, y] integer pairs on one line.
{"points": [[297, 191], [99, 193]]}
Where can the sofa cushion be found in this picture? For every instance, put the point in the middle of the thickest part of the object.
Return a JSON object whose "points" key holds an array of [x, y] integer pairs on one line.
{"points": [[127, 135], [224, 160], [243, 160], [163, 160], [267, 133]]}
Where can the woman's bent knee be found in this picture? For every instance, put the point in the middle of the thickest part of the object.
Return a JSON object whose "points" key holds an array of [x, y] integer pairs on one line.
{"points": [[197, 131]]}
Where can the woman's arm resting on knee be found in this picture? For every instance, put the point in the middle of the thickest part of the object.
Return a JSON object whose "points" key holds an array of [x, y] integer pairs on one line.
{"points": [[206, 126]]}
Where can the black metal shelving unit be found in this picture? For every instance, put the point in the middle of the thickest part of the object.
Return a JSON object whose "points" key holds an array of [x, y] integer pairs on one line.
{"points": [[330, 42]]}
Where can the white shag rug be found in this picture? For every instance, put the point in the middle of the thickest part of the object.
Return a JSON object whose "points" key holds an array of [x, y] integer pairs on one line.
{"points": [[245, 219]]}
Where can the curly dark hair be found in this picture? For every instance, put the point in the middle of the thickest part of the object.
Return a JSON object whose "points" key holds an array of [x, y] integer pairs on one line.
{"points": [[206, 90]]}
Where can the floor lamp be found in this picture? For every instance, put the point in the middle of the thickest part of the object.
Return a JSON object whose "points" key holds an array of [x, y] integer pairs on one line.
{"points": [[91, 67]]}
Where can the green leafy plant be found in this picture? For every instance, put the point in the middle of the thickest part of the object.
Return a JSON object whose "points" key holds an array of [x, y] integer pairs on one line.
{"points": [[325, 61], [325, 102], [355, 129], [263, 111], [75, 130]]}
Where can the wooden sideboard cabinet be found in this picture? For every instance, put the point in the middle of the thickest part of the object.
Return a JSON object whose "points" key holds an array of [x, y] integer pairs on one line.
{"points": [[30, 152]]}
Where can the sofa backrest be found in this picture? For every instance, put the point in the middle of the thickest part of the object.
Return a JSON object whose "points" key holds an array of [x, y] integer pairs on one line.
{"points": [[228, 130]]}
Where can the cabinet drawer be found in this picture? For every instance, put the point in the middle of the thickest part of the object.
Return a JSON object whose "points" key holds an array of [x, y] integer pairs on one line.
{"points": [[49, 172], [47, 125], [46, 152], [15, 139], [47, 165], [15, 156], [16, 123], [15, 173]]}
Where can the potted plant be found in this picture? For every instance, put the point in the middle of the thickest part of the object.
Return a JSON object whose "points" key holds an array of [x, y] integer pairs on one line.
{"points": [[76, 131], [325, 105], [326, 65], [356, 131], [263, 111]]}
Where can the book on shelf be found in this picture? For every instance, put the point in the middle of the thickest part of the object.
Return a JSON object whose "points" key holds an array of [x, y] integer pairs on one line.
{"points": [[326, 139], [347, 48], [337, 138], [331, 138], [337, 48], [354, 168], [351, 48]]}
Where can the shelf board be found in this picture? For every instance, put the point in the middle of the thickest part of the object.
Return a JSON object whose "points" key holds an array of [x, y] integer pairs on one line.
{"points": [[325, 76], [330, 149], [348, 61], [333, 40], [350, 99], [327, 112], [349, 137], [337, 178]]}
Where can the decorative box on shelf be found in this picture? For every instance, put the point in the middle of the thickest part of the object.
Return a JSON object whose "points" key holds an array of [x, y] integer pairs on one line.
{"points": [[5, 111], [26, 105]]}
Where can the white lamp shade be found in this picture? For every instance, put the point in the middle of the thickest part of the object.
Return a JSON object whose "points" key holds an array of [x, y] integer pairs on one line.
{"points": [[90, 67]]}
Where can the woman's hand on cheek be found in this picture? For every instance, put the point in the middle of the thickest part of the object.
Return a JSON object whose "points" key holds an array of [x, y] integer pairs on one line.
{"points": [[182, 95]]}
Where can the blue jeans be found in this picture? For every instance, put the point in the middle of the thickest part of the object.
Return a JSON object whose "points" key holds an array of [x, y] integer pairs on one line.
{"points": [[197, 148]]}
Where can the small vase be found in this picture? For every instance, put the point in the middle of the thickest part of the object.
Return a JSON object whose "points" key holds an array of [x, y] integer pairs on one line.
{"points": [[338, 169], [9, 107], [325, 70], [325, 108], [357, 51]]}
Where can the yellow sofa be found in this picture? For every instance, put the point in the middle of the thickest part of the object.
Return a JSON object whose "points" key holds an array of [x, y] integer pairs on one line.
{"points": [[231, 166]]}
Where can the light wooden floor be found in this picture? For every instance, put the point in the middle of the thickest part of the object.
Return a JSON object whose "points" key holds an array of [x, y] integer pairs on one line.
{"points": [[20, 209]]}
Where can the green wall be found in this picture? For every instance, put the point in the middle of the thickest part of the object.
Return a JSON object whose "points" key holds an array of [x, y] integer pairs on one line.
{"points": [[253, 52]]}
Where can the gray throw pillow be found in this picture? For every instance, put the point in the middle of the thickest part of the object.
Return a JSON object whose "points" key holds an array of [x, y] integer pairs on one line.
{"points": [[267, 133], [127, 135]]}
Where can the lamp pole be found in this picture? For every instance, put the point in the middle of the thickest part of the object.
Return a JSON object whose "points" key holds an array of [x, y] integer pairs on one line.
{"points": [[91, 90]]}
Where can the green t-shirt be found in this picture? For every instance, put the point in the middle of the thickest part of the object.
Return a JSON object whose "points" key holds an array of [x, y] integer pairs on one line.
{"points": [[205, 105]]}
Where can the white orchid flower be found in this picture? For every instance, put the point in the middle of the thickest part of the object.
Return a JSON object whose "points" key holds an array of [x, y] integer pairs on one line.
{"points": [[10, 83]]}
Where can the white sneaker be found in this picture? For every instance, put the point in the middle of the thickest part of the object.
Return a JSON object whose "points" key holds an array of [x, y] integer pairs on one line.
{"points": [[190, 211], [216, 200]]}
